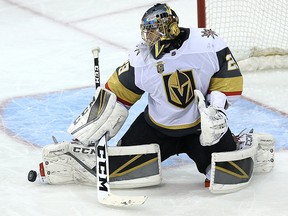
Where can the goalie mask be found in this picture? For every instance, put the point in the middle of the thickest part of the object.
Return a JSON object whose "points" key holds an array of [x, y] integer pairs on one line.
{"points": [[159, 25]]}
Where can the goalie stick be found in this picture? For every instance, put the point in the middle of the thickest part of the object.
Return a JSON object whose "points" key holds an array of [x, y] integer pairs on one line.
{"points": [[103, 187], [102, 166], [95, 53]]}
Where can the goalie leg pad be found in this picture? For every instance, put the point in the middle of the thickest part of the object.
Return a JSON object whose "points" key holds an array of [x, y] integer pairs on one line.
{"points": [[130, 166], [66, 163], [232, 171], [135, 166], [104, 114]]}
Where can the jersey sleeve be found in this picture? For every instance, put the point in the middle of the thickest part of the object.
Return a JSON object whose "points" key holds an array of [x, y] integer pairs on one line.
{"points": [[122, 84], [228, 79]]}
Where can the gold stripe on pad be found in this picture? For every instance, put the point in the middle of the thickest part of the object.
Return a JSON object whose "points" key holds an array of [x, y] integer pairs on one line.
{"points": [[243, 176], [118, 172]]}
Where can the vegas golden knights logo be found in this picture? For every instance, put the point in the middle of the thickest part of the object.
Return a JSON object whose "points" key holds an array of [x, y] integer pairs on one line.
{"points": [[179, 87]]}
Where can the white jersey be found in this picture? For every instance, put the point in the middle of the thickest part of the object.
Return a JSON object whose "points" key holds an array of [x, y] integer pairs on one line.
{"points": [[203, 62]]}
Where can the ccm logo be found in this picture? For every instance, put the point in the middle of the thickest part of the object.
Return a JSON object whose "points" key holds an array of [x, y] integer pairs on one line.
{"points": [[102, 167], [84, 150]]}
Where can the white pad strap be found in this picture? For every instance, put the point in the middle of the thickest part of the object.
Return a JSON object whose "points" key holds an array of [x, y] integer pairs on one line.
{"points": [[104, 114], [264, 158]]}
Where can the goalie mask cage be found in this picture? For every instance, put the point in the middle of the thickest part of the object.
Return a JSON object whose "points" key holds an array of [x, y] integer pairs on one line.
{"points": [[256, 31]]}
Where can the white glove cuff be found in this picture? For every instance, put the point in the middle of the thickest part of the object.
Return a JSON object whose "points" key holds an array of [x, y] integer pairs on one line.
{"points": [[217, 99]]}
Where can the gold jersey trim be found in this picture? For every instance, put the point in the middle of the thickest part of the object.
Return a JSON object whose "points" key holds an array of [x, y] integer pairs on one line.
{"points": [[234, 84], [121, 91], [176, 127]]}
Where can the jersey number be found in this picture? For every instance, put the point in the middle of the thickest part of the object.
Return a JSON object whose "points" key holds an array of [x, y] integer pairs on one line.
{"points": [[123, 68], [231, 63]]}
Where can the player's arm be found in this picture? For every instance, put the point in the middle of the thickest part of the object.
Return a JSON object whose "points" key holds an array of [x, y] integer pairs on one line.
{"points": [[225, 87], [122, 84], [226, 84], [108, 110]]}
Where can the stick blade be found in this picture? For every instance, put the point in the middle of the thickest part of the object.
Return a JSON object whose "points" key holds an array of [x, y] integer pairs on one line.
{"points": [[115, 200]]}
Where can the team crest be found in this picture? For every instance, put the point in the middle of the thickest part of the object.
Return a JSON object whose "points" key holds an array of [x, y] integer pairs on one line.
{"points": [[179, 87], [160, 67], [208, 32]]}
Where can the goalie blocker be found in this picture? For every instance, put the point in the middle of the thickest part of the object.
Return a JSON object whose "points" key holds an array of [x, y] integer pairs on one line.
{"points": [[103, 115]]}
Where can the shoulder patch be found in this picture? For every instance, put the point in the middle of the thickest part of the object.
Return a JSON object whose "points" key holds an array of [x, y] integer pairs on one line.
{"points": [[208, 32]]}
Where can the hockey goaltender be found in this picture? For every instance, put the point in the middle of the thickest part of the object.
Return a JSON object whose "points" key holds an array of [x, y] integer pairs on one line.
{"points": [[191, 78]]}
